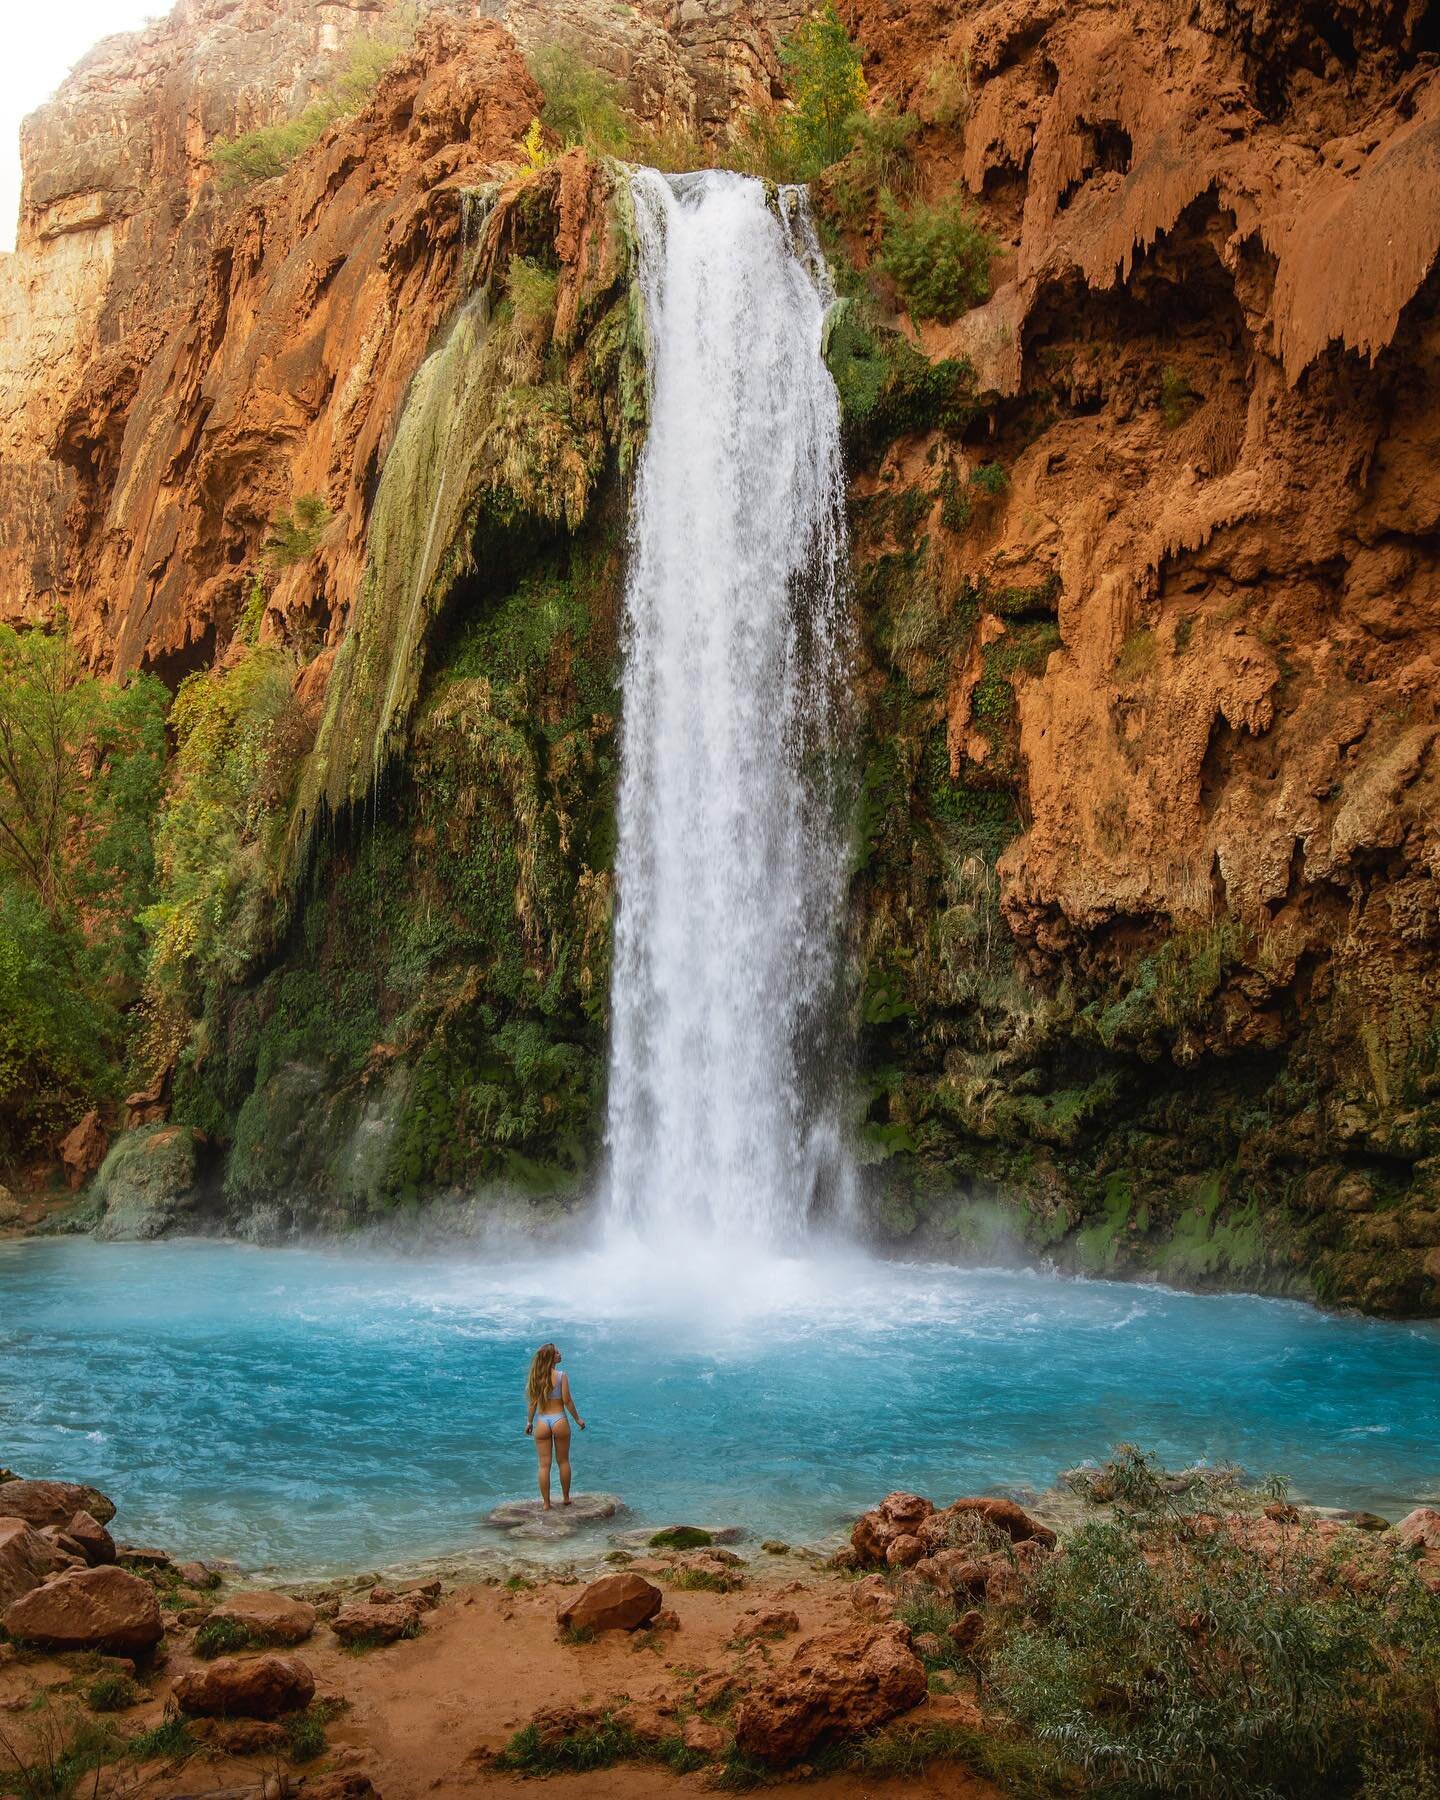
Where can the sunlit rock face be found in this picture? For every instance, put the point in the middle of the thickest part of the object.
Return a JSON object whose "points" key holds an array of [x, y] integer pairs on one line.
{"points": [[1145, 923], [176, 362]]}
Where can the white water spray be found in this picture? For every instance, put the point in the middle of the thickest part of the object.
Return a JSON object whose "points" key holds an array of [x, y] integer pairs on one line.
{"points": [[723, 1083]]}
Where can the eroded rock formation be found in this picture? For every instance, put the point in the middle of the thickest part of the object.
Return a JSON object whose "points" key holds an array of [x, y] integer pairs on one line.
{"points": [[1150, 604]]}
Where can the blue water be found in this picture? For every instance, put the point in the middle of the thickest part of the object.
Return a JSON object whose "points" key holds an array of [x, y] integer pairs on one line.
{"points": [[299, 1410]]}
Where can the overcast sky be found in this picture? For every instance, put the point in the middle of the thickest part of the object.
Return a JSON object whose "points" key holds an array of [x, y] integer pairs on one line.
{"points": [[43, 39]]}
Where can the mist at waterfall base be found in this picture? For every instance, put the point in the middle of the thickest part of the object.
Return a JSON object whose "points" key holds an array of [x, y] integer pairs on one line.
{"points": [[308, 1410]]}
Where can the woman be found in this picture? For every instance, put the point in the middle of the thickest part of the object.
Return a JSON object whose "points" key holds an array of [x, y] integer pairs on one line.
{"points": [[548, 1392]]}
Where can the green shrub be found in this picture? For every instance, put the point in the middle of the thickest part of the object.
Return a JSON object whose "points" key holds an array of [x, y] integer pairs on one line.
{"points": [[682, 1537], [220, 1637], [597, 1745], [991, 479], [171, 1739], [887, 386], [58, 1751], [112, 1693], [582, 103], [81, 772], [822, 69], [881, 162], [938, 256], [305, 1731], [295, 535], [1162, 1656], [1176, 397], [269, 150]]}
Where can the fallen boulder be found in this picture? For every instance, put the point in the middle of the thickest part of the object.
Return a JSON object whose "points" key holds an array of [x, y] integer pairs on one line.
{"points": [[249, 1687], [897, 1515], [268, 1617], [1419, 1529], [838, 1686], [366, 1622], [904, 1550], [26, 1559], [613, 1603], [89, 1609], [1003, 1516], [41, 1503], [95, 1541]]}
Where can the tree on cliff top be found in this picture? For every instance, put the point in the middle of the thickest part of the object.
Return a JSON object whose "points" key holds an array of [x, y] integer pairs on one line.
{"points": [[823, 69]]}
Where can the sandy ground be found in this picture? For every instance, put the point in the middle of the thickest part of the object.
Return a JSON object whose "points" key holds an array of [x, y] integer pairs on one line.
{"points": [[424, 1716]]}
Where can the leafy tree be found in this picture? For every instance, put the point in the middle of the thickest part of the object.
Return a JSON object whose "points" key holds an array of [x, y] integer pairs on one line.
{"points": [[81, 772], [822, 67], [938, 256], [582, 103]]}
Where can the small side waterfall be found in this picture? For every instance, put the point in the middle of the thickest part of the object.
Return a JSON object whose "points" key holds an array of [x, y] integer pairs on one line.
{"points": [[724, 1107]]}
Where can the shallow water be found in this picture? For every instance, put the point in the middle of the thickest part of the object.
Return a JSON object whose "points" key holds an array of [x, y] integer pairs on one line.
{"points": [[305, 1410]]}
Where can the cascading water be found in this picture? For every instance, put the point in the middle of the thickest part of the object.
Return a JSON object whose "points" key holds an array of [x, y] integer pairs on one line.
{"points": [[724, 1107]]}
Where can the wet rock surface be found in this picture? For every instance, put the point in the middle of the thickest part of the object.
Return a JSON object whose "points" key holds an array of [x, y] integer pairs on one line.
{"points": [[522, 1519]]}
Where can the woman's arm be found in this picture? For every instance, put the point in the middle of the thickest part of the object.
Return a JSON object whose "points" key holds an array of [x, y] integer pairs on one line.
{"points": [[567, 1399], [530, 1420]]}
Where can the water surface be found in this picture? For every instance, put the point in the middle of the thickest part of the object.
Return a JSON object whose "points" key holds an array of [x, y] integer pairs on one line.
{"points": [[304, 1410]]}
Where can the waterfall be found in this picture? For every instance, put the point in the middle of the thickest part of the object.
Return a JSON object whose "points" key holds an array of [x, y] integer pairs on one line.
{"points": [[724, 1096]]}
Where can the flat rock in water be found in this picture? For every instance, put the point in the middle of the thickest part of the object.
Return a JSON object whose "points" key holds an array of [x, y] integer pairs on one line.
{"points": [[527, 1519]]}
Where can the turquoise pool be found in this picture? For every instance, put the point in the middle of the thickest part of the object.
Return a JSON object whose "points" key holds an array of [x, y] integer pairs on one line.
{"points": [[303, 1410]]}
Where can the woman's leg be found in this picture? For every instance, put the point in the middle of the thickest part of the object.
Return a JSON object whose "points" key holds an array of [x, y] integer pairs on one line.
{"points": [[561, 1434], [542, 1450]]}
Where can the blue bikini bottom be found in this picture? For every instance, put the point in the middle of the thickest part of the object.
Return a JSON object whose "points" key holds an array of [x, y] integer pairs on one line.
{"points": [[551, 1419]]}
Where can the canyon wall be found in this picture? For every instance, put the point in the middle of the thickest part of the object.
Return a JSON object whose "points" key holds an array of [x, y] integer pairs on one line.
{"points": [[1147, 574]]}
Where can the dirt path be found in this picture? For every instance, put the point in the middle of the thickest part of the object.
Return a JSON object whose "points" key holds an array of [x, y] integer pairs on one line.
{"points": [[426, 1716]]}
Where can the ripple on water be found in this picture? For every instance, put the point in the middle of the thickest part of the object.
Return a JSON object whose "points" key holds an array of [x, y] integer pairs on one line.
{"points": [[307, 1409]]}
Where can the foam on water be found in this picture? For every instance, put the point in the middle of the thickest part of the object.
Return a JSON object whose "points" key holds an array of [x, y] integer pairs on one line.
{"points": [[306, 1410]]}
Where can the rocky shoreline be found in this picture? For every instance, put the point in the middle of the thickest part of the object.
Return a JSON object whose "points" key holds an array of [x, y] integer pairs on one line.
{"points": [[687, 1664]]}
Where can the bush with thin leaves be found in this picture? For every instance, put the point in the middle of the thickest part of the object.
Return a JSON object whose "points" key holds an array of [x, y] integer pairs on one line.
{"points": [[582, 103], [269, 150], [295, 535], [823, 72], [937, 255], [1166, 1652]]}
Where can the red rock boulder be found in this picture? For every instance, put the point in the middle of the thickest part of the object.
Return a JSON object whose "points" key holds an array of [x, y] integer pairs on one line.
{"points": [[897, 1515], [83, 1150], [96, 1543], [366, 1622], [1420, 1529], [613, 1603], [838, 1686], [1003, 1516], [26, 1559], [42, 1503], [89, 1609], [269, 1617], [246, 1687]]}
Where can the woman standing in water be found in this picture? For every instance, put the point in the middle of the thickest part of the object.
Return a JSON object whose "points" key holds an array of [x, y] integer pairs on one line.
{"points": [[548, 1392]]}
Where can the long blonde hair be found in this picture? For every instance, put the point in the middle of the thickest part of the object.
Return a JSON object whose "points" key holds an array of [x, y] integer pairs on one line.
{"points": [[542, 1375]]}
